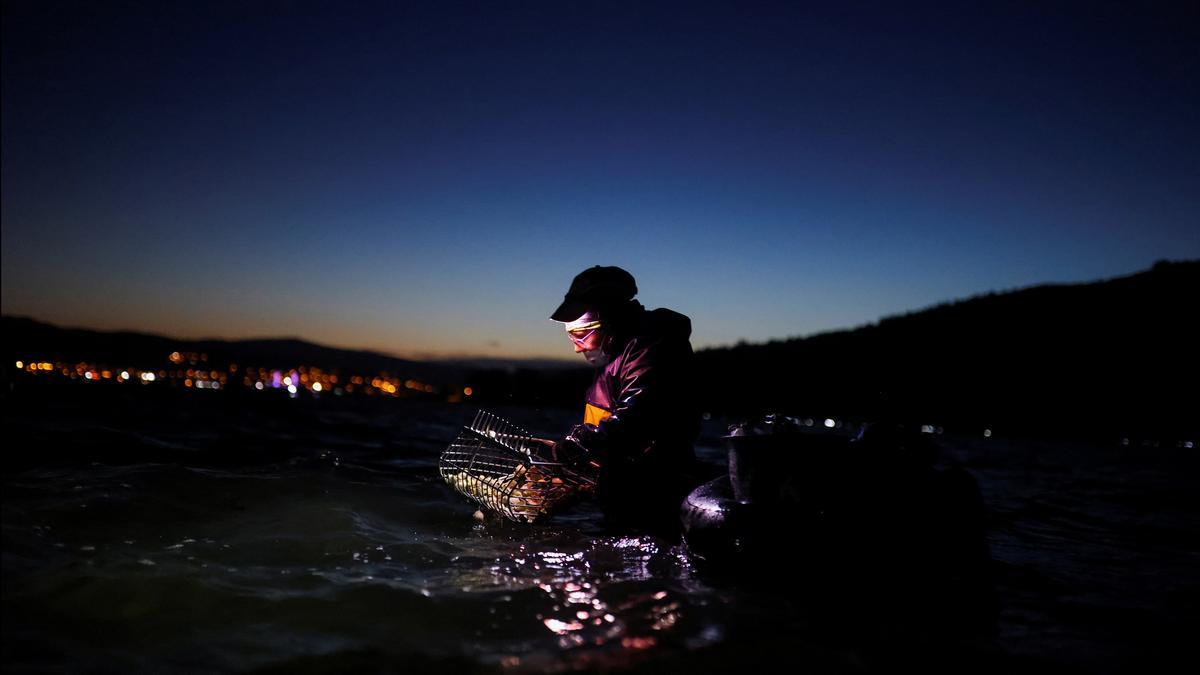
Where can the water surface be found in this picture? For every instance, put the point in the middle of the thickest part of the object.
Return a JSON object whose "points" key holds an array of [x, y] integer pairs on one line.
{"points": [[201, 533]]}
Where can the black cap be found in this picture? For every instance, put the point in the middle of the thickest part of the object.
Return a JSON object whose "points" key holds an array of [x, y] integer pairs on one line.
{"points": [[596, 288]]}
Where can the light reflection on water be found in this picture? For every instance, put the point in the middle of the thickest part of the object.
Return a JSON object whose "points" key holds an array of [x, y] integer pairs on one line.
{"points": [[602, 601]]}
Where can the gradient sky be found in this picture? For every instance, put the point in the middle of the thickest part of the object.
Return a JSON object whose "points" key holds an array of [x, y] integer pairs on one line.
{"points": [[427, 180]]}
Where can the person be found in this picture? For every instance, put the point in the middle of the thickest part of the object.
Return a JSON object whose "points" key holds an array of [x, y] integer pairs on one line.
{"points": [[640, 420]]}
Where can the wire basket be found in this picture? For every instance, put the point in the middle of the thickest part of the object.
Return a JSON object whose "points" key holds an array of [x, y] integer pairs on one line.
{"points": [[504, 468]]}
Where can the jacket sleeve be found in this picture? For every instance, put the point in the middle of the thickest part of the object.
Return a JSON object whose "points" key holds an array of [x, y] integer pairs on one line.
{"points": [[638, 410]]}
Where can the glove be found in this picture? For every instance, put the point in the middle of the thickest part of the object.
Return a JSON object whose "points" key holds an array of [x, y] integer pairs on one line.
{"points": [[569, 452]]}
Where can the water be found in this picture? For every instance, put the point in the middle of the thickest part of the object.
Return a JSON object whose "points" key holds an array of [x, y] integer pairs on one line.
{"points": [[204, 533]]}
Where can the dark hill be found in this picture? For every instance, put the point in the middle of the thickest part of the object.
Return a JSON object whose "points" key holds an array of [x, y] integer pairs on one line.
{"points": [[1116, 356], [33, 340], [534, 382]]}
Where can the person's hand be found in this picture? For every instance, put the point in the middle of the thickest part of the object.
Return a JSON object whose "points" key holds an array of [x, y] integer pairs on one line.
{"points": [[567, 451]]}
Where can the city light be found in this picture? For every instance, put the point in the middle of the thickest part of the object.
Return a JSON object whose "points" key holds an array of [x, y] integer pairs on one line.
{"points": [[217, 377]]}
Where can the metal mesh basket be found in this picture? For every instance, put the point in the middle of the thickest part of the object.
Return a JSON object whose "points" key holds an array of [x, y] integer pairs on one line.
{"points": [[505, 469]]}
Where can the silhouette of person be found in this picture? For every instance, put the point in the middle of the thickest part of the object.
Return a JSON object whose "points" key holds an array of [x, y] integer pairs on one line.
{"points": [[639, 422]]}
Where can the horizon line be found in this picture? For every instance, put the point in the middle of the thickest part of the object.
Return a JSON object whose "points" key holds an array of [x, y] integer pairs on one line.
{"points": [[432, 357]]}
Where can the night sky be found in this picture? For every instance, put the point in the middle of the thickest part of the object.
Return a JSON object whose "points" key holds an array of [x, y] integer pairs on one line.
{"points": [[426, 181]]}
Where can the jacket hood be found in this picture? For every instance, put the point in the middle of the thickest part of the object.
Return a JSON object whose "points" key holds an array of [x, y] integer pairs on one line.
{"points": [[661, 323], [669, 324]]}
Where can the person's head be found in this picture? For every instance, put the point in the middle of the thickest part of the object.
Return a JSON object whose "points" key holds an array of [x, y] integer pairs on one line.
{"points": [[596, 296], [590, 337]]}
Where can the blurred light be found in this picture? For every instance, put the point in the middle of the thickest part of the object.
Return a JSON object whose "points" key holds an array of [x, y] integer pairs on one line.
{"points": [[106, 374], [561, 627], [1124, 441], [467, 391], [927, 428], [1189, 444], [88, 375], [124, 374], [20, 365], [215, 385], [175, 357], [987, 433], [638, 642], [829, 423], [287, 381], [316, 386], [149, 377], [291, 388], [187, 383], [258, 386]]}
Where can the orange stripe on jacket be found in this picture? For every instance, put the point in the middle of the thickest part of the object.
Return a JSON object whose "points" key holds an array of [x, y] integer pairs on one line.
{"points": [[594, 415]]}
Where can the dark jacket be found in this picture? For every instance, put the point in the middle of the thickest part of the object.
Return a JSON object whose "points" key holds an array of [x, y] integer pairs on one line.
{"points": [[641, 417]]}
